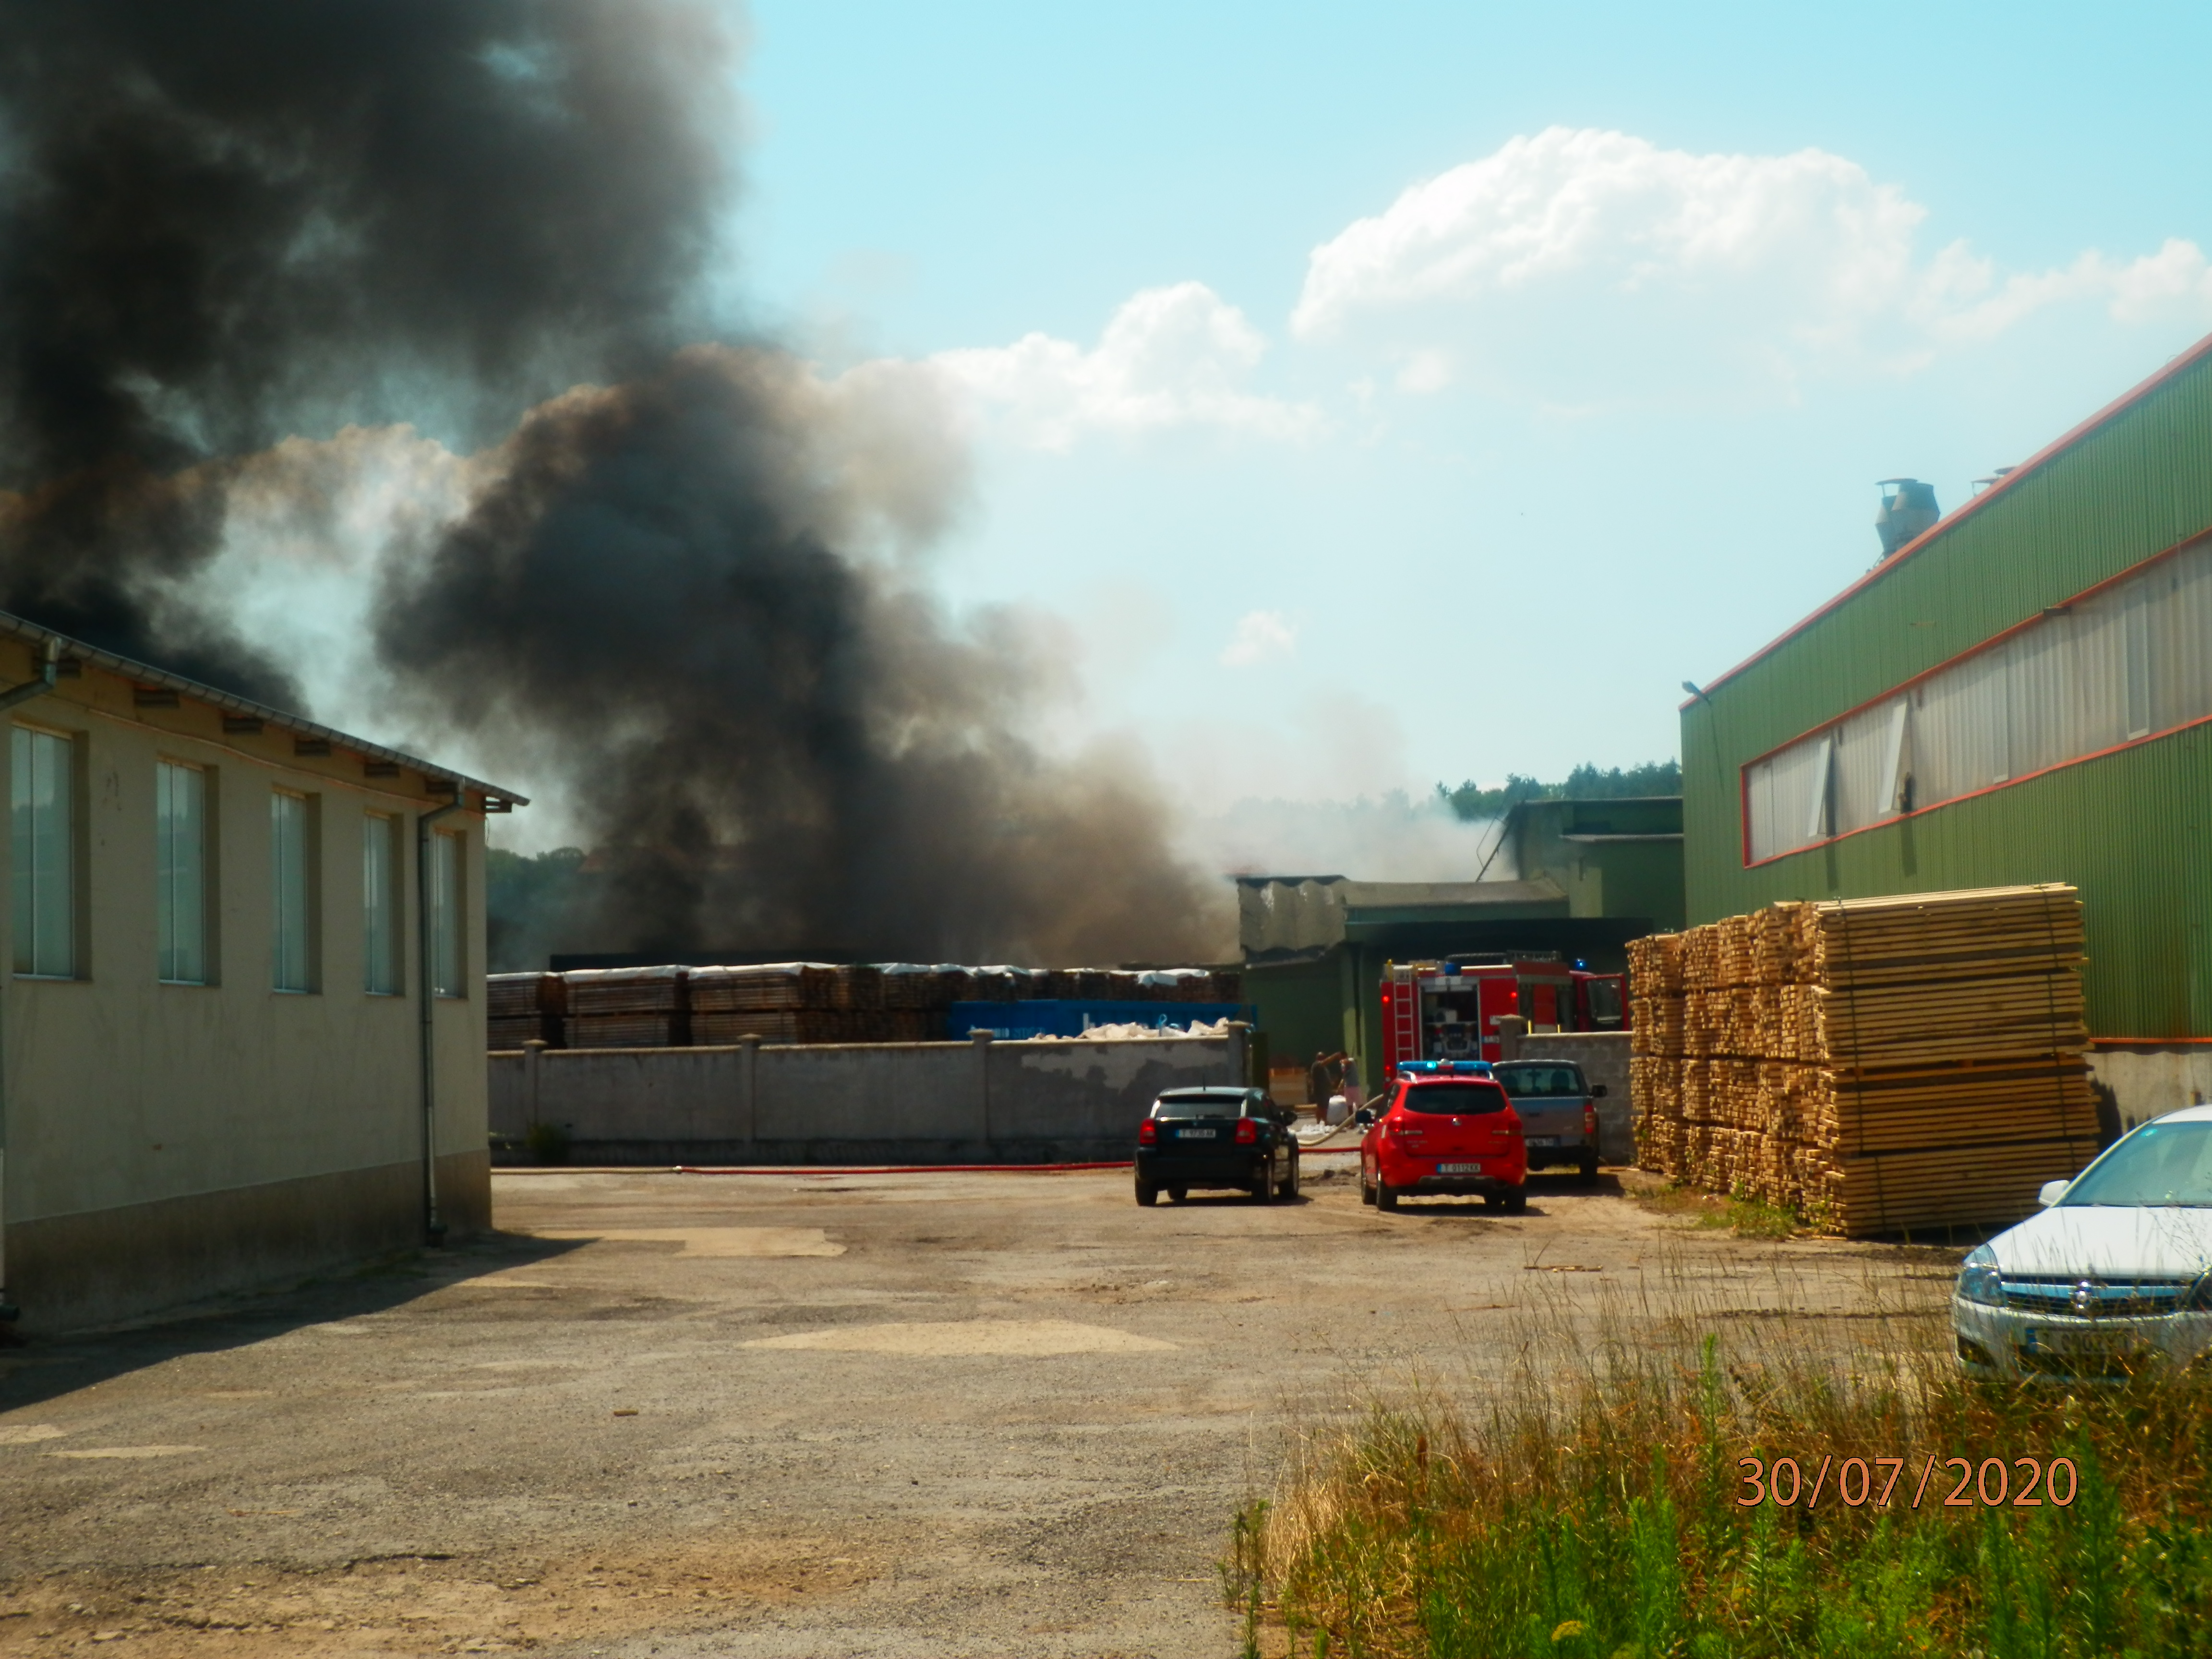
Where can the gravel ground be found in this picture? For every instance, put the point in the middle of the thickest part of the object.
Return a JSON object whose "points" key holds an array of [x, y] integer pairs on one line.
{"points": [[823, 1413]]}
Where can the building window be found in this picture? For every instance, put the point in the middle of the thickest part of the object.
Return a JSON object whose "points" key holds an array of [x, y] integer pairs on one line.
{"points": [[379, 894], [2124, 663], [180, 873], [44, 797], [291, 864], [445, 913]]}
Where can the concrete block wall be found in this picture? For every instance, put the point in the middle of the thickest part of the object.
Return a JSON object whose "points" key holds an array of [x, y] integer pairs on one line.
{"points": [[978, 1102], [1603, 1056]]}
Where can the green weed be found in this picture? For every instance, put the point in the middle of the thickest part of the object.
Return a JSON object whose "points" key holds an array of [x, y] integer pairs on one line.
{"points": [[1593, 1504]]}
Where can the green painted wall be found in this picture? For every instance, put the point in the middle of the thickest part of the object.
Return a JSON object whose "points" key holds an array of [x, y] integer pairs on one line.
{"points": [[2129, 829], [1300, 1006], [1607, 877]]}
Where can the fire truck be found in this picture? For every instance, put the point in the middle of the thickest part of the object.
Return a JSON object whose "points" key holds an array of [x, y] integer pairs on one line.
{"points": [[1449, 1009]]}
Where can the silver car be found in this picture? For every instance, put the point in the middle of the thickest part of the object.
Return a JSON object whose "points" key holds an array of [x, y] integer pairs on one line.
{"points": [[2111, 1276], [1554, 1102]]}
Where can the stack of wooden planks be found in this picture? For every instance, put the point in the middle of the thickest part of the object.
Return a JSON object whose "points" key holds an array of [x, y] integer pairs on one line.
{"points": [[626, 1008], [1877, 1065], [802, 1002], [521, 1008]]}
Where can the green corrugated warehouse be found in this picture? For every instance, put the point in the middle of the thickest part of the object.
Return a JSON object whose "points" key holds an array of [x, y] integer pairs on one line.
{"points": [[2023, 693]]}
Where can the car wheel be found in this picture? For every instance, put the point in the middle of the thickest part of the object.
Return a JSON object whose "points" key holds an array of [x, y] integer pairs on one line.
{"points": [[1291, 1185], [1516, 1202], [1147, 1193], [1366, 1192], [1178, 1195], [1386, 1195], [1586, 1169], [1262, 1188]]}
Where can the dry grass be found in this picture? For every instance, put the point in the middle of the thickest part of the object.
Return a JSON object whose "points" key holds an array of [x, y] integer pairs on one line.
{"points": [[1590, 1505]]}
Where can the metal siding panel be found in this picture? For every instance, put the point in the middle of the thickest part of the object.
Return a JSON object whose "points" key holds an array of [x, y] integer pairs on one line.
{"points": [[2129, 829]]}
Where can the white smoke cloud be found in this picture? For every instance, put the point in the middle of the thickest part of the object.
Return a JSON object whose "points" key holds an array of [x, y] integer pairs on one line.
{"points": [[1581, 265], [1175, 356], [1260, 635], [1392, 837]]}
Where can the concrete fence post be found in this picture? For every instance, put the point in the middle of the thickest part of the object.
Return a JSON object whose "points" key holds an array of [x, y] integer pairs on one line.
{"points": [[981, 1041], [533, 1050], [749, 1047], [1511, 1027]]}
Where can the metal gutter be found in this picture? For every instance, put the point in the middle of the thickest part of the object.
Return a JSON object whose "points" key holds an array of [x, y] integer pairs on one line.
{"points": [[1958, 515], [146, 674]]}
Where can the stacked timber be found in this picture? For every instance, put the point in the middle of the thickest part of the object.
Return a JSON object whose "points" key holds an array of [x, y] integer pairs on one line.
{"points": [[814, 1003], [1876, 1065], [521, 1008], [800, 1002], [626, 1008]]}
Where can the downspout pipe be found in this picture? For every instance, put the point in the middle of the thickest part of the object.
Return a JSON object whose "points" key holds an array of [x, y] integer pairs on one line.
{"points": [[433, 1225], [50, 664]]}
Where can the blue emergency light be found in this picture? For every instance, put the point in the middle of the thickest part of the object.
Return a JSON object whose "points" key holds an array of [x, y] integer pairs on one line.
{"points": [[1446, 1068]]}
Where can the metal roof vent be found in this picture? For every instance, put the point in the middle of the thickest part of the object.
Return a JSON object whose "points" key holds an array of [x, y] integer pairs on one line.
{"points": [[1905, 512]]}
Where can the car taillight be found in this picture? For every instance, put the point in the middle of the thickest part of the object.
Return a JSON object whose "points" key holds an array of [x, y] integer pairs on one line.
{"points": [[1247, 1132], [1148, 1133], [1589, 1121]]}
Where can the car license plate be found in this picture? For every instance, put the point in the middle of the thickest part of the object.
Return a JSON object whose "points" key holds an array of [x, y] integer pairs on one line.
{"points": [[1459, 1169], [1543, 1140], [1198, 1134]]}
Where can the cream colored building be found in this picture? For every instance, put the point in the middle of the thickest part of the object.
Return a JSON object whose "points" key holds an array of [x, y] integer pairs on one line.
{"points": [[215, 1067]]}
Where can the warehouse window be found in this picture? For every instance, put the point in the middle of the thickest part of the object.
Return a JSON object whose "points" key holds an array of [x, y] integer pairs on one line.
{"points": [[445, 912], [380, 894], [2126, 662], [43, 796], [180, 873], [291, 864]]}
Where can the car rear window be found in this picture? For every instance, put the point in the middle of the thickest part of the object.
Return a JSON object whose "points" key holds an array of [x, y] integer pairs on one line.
{"points": [[1464, 1099], [1524, 1078], [1201, 1105]]}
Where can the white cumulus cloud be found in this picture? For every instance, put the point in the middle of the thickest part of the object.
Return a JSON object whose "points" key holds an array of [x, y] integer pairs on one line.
{"points": [[1580, 264], [1168, 357], [1258, 635]]}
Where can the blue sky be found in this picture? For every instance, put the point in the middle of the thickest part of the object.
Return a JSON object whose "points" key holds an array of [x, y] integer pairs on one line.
{"points": [[1597, 407]]}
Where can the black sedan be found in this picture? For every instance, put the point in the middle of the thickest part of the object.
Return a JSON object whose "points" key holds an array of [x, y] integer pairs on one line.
{"points": [[1222, 1136]]}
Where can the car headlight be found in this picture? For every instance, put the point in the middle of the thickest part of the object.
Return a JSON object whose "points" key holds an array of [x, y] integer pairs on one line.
{"points": [[1978, 1278]]}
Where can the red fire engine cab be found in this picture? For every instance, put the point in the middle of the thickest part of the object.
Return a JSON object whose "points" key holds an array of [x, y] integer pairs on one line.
{"points": [[1449, 1009]]}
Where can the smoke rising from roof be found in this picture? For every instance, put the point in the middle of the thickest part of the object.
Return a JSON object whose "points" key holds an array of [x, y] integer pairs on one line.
{"points": [[224, 225]]}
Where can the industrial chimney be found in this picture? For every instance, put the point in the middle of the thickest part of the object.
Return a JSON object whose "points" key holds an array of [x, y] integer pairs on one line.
{"points": [[1905, 512]]}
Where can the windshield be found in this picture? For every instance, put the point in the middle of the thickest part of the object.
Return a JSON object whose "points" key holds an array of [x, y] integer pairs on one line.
{"points": [[1523, 1079], [2161, 1163], [1466, 1098]]}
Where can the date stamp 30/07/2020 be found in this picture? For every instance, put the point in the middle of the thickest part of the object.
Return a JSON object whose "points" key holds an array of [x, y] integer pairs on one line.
{"points": [[2021, 1483]]}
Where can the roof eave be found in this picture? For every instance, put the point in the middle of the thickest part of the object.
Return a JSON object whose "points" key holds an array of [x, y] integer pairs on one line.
{"points": [[140, 673]]}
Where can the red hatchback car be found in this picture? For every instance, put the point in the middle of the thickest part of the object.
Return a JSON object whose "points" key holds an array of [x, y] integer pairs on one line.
{"points": [[1448, 1129]]}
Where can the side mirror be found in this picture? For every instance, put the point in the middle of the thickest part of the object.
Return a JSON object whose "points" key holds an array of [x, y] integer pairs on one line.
{"points": [[1364, 1116], [1597, 1092], [2051, 1192]]}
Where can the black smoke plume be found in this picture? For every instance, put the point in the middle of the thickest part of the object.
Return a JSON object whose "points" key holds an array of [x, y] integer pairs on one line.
{"points": [[222, 225], [223, 221]]}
